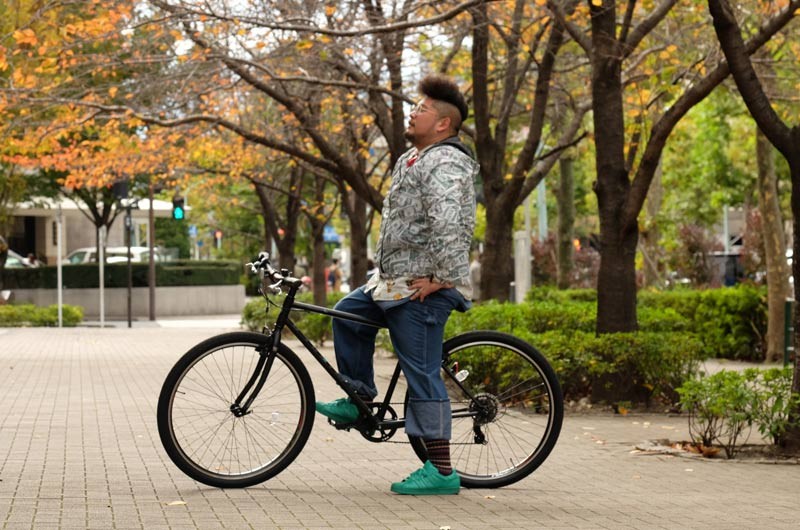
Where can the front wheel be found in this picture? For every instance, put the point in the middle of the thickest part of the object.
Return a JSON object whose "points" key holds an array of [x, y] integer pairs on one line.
{"points": [[507, 408], [202, 435]]}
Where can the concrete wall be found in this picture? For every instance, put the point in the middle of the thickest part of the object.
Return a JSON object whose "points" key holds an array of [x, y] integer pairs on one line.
{"points": [[170, 301]]}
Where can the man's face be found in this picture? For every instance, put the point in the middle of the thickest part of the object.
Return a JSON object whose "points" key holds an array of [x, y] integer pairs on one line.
{"points": [[423, 122]]}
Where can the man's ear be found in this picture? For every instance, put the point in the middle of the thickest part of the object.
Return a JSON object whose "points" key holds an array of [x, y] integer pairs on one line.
{"points": [[444, 124]]}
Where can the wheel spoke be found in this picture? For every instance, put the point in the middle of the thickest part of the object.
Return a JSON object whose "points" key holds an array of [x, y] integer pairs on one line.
{"points": [[212, 444], [516, 402]]}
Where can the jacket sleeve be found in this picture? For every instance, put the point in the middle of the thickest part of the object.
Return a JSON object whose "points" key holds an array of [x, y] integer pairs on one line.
{"points": [[448, 197]]}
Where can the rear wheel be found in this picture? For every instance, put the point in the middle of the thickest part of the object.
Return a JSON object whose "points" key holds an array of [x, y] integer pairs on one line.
{"points": [[507, 408], [202, 435]]}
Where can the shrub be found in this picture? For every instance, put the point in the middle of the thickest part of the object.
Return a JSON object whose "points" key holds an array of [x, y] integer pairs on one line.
{"points": [[731, 321], [692, 258], [538, 317], [31, 315], [637, 366], [316, 327], [542, 293], [653, 361], [722, 405], [774, 401], [86, 276]]}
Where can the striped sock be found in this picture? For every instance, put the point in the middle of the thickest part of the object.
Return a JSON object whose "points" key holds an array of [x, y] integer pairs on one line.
{"points": [[439, 455]]}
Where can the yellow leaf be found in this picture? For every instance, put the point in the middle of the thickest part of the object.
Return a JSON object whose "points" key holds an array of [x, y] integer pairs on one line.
{"points": [[304, 45], [112, 91], [367, 120], [349, 51], [25, 36], [330, 9], [597, 3]]}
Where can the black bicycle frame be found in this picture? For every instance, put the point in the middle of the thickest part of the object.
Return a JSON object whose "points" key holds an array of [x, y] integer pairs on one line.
{"points": [[268, 351]]}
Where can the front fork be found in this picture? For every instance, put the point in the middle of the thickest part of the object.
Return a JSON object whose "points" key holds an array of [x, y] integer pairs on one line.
{"points": [[266, 358]]}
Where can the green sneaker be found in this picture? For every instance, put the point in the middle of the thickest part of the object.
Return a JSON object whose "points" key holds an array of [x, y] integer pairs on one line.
{"points": [[340, 411], [428, 481]]}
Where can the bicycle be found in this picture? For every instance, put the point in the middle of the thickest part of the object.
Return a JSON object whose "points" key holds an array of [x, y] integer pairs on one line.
{"points": [[238, 408]]}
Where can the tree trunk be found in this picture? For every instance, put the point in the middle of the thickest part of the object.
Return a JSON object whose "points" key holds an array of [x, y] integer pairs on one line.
{"points": [[651, 235], [566, 222], [792, 438], [319, 282], [497, 263], [616, 283], [317, 219], [358, 243], [775, 245]]}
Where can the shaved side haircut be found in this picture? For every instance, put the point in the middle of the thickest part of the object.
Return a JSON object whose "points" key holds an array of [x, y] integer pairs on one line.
{"points": [[449, 100]]}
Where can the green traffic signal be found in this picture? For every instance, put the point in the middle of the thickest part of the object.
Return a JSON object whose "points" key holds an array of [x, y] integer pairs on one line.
{"points": [[178, 211]]}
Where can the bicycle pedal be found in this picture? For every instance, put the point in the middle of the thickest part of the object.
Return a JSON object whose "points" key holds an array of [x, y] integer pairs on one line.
{"points": [[342, 426]]}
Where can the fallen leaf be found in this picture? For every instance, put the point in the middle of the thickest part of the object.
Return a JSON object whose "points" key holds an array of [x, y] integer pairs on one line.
{"points": [[688, 470], [489, 497], [176, 503]]}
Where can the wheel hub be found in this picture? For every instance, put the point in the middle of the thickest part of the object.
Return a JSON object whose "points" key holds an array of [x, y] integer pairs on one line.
{"points": [[486, 407]]}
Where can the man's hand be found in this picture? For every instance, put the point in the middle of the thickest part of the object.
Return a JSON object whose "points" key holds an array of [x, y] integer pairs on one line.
{"points": [[425, 287]]}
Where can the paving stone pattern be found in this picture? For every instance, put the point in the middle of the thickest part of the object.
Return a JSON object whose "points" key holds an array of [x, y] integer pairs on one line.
{"points": [[79, 448]]}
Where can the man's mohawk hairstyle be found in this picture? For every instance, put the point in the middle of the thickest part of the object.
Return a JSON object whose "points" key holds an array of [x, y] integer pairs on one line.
{"points": [[443, 88]]}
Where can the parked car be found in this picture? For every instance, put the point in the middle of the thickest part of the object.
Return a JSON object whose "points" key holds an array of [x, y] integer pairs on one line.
{"points": [[16, 261], [113, 255]]}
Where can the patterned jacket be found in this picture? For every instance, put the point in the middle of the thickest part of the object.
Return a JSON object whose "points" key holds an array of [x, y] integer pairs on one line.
{"points": [[428, 216]]}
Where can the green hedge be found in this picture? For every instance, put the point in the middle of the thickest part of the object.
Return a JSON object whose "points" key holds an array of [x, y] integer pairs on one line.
{"points": [[31, 315], [613, 367], [549, 314], [731, 321], [86, 276]]}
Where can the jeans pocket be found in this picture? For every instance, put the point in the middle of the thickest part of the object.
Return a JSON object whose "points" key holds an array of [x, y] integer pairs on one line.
{"points": [[437, 310]]}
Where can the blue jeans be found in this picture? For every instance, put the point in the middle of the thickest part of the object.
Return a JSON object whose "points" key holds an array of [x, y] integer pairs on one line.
{"points": [[417, 331]]}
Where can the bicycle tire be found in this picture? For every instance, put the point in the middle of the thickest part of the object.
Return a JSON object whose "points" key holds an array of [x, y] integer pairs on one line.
{"points": [[206, 440], [525, 426]]}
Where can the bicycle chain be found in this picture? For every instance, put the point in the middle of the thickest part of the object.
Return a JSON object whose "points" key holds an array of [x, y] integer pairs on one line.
{"points": [[409, 443]]}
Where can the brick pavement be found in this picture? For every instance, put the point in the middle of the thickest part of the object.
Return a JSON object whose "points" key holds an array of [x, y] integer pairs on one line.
{"points": [[79, 448]]}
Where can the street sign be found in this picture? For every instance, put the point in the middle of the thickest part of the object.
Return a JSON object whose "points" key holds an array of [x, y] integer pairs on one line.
{"points": [[193, 230]]}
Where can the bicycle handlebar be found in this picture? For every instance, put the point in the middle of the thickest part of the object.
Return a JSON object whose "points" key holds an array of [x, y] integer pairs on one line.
{"points": [[277, 277]]}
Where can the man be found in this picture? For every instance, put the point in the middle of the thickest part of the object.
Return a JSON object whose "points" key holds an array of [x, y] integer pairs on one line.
{"points": [[423, 274]]}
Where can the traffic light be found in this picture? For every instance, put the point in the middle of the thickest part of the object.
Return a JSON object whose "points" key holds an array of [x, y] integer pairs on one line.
{"points": [[178, 211]]}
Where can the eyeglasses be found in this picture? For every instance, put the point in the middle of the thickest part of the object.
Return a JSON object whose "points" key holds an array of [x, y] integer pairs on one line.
{"points": [[420, 108]]}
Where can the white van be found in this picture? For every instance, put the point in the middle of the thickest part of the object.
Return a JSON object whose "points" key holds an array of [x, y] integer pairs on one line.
{"points": [[113, 255]]}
